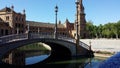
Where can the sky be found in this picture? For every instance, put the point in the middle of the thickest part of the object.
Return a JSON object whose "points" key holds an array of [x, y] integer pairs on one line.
{"points": [[97, 11]]}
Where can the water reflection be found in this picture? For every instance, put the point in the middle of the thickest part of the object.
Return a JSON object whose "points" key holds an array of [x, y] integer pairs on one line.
{"points": [[35, 59], [79, 63], [94, 62], [34, 53], [15, 57], [72, 63], [21, 56], [18, 57]]}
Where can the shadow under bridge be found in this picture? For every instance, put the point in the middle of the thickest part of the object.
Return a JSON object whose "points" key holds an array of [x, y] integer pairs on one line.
{"points": [[60, 49]]}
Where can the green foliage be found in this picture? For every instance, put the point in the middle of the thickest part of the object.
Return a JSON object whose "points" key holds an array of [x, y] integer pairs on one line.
{"points": [[34, 46], [109, 30], [91, 29], [105, 52]]}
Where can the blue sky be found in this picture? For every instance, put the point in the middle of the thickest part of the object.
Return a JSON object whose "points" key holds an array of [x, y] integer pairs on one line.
{"points": [[97, 11]]}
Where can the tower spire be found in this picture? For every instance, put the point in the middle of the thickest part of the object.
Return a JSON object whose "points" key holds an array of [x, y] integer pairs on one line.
{"points": [[81, 20], [81, 7], [80, 1], [23, 11]]}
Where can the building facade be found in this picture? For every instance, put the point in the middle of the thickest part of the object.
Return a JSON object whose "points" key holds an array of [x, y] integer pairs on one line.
{"points": [[16, 23], [5, 29], [48, 28]]}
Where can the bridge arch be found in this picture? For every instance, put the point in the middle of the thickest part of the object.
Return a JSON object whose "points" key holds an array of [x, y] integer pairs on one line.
{"points": [[60, 49], [65, 46]]}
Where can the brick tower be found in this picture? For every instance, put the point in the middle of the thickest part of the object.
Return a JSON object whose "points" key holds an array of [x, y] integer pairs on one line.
{"points": [[81, 20]]}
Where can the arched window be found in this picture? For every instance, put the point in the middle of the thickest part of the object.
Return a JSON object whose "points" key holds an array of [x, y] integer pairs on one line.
{"points": [[6, 32], [2, 32], [7, 18]]}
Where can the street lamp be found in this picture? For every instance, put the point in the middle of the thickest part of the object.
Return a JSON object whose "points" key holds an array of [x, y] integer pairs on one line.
{"points": [[38, 30], [17, 30], [55, 33], [28, 28], [77, 35]]}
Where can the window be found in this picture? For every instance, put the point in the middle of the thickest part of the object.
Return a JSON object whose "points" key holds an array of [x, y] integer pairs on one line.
{"points": [[7, 18], [15, 25], [22, 25], [16, 18], [2, 32], [6, 32], [19, 25], [22, 20]]}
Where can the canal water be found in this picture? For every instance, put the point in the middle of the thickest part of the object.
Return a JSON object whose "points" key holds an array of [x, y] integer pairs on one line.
{"points": [[72, 63], [95, 62], [33, 57], [36, 54]]}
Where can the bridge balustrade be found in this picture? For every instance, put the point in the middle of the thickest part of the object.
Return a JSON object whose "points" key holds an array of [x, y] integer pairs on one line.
{"points": [[80, 43], [84, 45], [11, 38], [17, 37], [35, 35]]}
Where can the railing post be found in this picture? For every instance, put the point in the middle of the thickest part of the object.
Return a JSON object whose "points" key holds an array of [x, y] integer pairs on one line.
{"points": [[28, 35], [90, 46]]}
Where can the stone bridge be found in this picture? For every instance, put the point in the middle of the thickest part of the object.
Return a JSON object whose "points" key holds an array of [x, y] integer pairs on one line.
{"points": [[60, 48]]}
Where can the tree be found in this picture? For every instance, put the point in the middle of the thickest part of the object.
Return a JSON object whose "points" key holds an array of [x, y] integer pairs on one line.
{"points": [[109, 30], [100, 29], [117, 25], [91, 29]]}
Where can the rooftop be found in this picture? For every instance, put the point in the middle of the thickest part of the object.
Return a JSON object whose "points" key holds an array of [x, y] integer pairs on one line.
{"points": [[6, 9], [41, 24]]}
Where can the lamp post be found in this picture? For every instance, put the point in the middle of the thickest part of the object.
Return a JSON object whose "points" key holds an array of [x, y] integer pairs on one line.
{"points": [[77, 35], [38, 30], [28, 28], [55, 33], [17, 30], [90, 45]]}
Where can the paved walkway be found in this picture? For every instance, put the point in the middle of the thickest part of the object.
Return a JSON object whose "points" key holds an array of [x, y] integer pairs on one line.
{"points": [[110, 45], [102, 55]]}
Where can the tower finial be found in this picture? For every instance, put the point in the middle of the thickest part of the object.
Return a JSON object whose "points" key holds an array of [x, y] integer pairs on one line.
{"points": [[24, 11], [80, 1], [12, 7], [59, 21], [81, 7], [67, 21]]}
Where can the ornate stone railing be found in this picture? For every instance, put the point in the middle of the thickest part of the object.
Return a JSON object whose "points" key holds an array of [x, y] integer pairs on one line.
{"points": [[84, 45], [13, 37], [17, 37], [35, 35]]}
